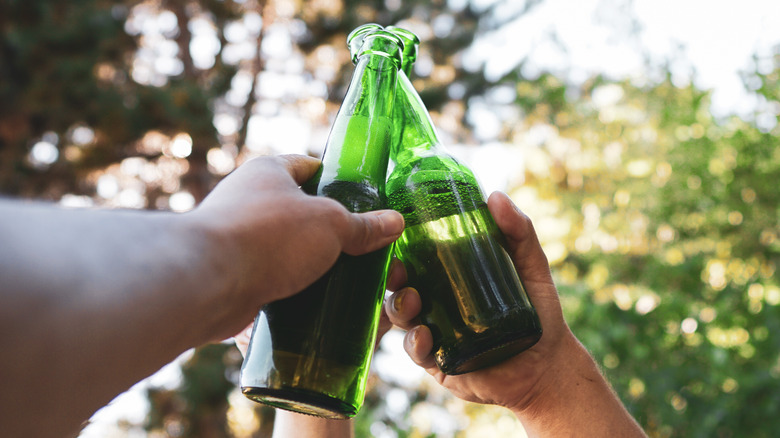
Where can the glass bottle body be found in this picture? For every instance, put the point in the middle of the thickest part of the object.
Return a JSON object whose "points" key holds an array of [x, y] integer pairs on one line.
{"points": [[310, 353], [473, 300]]}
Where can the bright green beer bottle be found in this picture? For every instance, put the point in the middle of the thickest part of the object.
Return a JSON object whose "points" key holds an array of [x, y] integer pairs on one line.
{"points": [[310, 353], [473, 301]]}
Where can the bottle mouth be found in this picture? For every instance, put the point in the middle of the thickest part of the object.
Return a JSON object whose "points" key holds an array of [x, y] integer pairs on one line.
{"points": [[379, 42], [356, 37], [410, 39], [411, 43]]}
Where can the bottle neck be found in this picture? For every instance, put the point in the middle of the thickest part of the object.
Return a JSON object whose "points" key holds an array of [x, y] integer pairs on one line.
{"points": [[410, 56], [411, 44], [415, 135], [358, 146]]}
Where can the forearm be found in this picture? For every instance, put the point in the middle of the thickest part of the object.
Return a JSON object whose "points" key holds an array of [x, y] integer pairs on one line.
{"points": [[78, 322], [575, 400], [93, 301], [291, 425]]}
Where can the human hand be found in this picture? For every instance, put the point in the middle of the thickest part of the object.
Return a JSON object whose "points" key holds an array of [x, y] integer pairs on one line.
{"points": [[516, 381], [272, 240]]}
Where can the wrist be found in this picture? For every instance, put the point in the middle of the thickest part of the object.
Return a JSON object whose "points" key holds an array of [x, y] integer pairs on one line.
{"points": [[291, 424], [574, 399], [214, 271], [552, 396]]}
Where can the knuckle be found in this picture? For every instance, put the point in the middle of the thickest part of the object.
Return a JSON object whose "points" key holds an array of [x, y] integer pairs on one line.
{"points": [[365, 230], [340, 220]]}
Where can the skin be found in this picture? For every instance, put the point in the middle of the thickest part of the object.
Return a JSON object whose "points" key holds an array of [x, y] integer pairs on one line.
{"points": [[555, 388], [88, 296], [92, 301]]}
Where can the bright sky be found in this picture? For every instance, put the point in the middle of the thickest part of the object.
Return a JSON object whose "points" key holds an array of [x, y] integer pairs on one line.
{"points": [[709, 42], [714, 38]]}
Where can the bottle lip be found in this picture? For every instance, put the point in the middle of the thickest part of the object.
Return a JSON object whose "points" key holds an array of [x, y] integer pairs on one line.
{"points": [[361, 31], [378, 42], [411, 43], [409, 37], [357, 36]]}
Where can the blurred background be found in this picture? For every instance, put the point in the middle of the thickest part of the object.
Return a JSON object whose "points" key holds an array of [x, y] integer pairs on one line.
{"points": [[640, 136]]}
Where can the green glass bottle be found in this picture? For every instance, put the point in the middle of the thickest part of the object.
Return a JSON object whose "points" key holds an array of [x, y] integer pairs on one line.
{"points": [[310, 353], [473, 301]]}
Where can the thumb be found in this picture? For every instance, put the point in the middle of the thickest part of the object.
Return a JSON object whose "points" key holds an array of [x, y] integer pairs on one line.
{"points": [[371, 231], [301, 167], [524, 246]]}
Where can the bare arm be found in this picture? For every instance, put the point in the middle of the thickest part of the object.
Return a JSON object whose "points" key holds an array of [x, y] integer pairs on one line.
{"points": [[574, 399], [554, 388], [88, 301], [92, 301], [290, 424]]}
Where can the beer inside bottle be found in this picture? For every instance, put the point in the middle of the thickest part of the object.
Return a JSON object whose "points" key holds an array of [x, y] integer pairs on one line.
{"points": [[310, 353], [473, 300], [320, 342]]}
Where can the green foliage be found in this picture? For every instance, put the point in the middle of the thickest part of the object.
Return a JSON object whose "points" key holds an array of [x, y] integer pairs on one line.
{"points": [[677, 293], [65, 66], [662, 222], [199, 405]]}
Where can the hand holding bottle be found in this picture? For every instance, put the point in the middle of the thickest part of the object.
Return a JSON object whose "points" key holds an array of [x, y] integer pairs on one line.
{"points": [[141, 287], [554, 388], [280, 238], [310, 353], [502, 384]]}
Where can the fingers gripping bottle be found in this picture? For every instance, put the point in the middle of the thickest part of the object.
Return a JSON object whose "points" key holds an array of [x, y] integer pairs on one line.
{"points": [[473, 301], [310, 353]]}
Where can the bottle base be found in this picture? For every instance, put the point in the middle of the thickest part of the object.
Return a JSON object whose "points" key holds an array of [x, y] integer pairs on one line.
{"points": [[302, 402], [467, 363]]}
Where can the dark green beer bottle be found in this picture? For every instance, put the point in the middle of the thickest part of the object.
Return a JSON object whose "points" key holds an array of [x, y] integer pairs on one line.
{"points": [[310, 353], [473, 301]]}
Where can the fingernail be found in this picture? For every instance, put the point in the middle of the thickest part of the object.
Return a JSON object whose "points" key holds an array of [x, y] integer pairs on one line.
{"points": [[413, 335], [392, 222], [398, 302], [409, 340]]}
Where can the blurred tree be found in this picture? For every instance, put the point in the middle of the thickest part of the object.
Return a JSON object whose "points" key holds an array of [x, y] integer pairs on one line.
{"points": [[71, 105], [661, 222], [147, 104], [199, 407]]}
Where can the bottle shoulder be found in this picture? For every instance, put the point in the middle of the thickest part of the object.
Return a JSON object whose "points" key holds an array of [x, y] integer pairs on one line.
{"points": [[357, 197], [432, 187], [429, 166]]}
